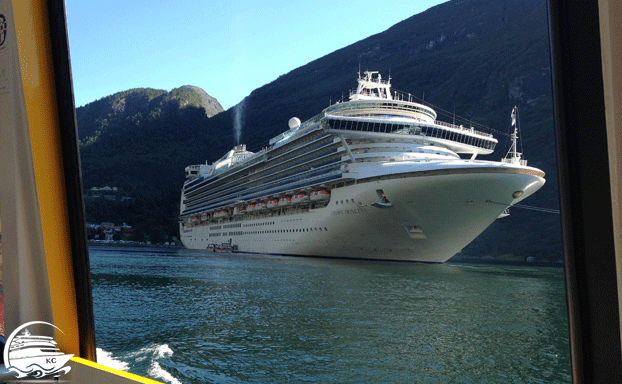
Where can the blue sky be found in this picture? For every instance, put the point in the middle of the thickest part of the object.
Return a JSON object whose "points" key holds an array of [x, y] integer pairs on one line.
{"points": [[228, 48]]}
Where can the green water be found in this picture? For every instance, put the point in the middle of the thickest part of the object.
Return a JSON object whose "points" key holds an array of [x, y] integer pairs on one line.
{"points": [[183, 316]]}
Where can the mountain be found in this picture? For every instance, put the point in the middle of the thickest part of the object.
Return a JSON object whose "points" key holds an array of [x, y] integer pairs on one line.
{"points": [[472, 60], [140, 140], [97, 117]]}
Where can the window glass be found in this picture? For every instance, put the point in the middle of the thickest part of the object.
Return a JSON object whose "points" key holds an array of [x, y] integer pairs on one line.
{"points": [[225, 290]]}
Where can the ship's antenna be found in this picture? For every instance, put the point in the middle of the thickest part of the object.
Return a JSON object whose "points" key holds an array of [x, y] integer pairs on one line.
{"points": [[520, 135], [514, 136], [515, 155]]}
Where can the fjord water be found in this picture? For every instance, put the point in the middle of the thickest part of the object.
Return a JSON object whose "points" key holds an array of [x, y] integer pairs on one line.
{"points": [[183, 316]]}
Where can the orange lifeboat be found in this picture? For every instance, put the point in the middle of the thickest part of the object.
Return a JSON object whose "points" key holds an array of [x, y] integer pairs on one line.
{"points": [[221, 214], [300, 198], [204, 216], [320, 195], [242, 209], [285, 201], [260, 206], [272, 204], [250, 208], [195, 219]]}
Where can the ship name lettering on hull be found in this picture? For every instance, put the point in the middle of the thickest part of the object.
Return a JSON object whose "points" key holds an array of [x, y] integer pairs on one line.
{"points": [[349, 211]]}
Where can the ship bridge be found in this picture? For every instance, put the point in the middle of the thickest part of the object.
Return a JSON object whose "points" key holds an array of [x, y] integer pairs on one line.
{"points": [[373, 97]]}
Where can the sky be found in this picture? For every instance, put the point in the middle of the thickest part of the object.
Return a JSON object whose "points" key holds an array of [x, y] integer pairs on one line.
{"points": [[228, 48]]}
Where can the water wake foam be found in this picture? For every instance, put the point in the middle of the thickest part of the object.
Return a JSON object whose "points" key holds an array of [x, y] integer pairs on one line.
{"points": [[157, 371], [150, 354], [105, 358]]}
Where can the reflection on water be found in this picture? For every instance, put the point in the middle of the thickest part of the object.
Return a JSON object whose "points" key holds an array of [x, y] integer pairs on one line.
{"points": [[184, 316]]}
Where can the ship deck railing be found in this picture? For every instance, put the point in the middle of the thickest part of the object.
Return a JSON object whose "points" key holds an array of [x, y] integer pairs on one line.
{"points": [[377, 107], [463, 129], [278, 186], [250, 180], [258, 190]]}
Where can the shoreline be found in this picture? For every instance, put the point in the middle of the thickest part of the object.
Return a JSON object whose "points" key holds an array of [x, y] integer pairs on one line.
{"points": [[463, 260], [90, 243]]}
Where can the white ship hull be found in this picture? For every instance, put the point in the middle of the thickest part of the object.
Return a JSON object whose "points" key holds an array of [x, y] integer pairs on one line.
{"points": [[432, 215]]}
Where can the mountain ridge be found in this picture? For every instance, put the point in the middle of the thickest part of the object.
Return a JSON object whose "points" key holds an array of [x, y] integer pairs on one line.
{"points": [[96, 116]]}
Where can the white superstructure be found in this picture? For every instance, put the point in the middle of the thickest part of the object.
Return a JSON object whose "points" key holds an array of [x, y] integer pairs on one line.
{"points": [[375, 177]]}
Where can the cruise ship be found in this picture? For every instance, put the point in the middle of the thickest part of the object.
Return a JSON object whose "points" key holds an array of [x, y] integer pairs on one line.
{"points": [[374, 177]]}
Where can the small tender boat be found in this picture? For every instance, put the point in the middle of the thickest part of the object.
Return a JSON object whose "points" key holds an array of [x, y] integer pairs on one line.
{"points": [[224, 247]]}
